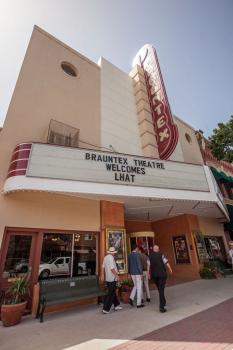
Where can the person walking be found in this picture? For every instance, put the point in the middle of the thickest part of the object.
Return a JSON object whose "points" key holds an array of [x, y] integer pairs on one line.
{"points": [[231, 252], [158, 274], [109, 268], [146, 270], [135, 271]]}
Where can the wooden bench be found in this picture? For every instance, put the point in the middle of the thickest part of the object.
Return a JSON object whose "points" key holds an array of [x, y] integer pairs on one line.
{"points": [[63, 290]]}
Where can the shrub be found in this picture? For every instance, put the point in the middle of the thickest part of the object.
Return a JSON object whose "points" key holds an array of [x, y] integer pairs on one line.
{"points": [[125, 285], [211, 269]]}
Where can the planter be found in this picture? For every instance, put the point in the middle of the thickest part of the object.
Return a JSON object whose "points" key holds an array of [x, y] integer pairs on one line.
{"points": [[125, 296], [11, 314]]}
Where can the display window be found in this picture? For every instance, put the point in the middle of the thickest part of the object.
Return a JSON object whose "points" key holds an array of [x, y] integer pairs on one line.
{"points": [[18, 257], [48, 254], [68, 254]]}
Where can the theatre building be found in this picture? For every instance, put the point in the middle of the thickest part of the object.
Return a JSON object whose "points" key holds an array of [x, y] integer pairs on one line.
{"points": [[92, 157]]}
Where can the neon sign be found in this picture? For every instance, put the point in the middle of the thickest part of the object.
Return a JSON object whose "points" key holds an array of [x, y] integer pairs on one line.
{"points": [[165, 130]]}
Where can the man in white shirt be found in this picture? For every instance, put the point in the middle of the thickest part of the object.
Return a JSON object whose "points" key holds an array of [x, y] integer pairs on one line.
{"points": [[231, 252], [111, 277]]}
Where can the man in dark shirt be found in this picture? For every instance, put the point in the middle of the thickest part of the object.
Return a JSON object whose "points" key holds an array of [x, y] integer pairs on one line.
{"points": [[158, 274], [135, 271]]}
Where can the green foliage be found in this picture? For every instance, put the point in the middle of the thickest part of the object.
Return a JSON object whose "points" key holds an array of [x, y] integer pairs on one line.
{"points": [[211, 269], [18, 290], [221, 141], [125, 285]]}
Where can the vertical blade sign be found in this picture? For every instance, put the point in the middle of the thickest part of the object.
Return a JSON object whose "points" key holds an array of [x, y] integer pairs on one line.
{"points": [[165, 130]]}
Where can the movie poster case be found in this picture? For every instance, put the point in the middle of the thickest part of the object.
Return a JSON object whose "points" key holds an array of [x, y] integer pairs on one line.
{"points": [[180, 248], [116, 237]]}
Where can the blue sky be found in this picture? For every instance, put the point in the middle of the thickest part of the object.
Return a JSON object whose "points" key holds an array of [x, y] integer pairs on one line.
{"points": [[193, 39]]}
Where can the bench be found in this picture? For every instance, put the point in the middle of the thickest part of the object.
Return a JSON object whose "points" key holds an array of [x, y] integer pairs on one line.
{"points": [[62, 290]]}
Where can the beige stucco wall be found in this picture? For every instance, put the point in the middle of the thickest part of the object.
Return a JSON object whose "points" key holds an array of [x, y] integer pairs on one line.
{"points": [[119, 122], [44, 91], [50, 211], [210, 227], [191, 151]]}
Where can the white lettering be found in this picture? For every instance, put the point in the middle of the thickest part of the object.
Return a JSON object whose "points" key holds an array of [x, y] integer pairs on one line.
{"points": [[158, 109], [164, 135]]}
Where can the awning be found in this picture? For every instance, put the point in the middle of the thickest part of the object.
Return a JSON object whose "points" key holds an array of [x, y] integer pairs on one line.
{"points": [[220, 175]]}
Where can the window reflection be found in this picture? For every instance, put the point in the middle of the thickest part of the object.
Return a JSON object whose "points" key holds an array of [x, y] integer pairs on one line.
{"points": [[17, 259], [84, 254], [68, 255]]}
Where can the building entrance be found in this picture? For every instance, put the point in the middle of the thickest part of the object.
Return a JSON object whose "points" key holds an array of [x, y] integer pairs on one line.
{"points": [[143, 239]]}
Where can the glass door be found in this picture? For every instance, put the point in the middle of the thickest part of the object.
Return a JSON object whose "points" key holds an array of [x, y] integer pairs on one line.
{"points": [[146, 242]]}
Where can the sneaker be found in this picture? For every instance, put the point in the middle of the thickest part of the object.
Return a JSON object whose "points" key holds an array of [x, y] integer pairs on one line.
{"points": [[148, 300], [118, 308], [105, 312], [131, 302], [139, 306], [162, 310]]}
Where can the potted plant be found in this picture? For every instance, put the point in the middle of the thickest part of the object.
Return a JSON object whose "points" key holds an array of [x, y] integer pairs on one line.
{"points": [[125, 290], [14, 303], [211, 270]]}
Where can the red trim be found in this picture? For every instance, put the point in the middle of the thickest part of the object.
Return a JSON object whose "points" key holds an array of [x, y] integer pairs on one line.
{"points": [[17, 173], [22, 146], [18, 164], [19, 160], [21, 154]]}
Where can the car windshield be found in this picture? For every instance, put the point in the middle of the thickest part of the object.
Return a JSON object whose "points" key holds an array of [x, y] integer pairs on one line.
{"points": [[51, 261]]}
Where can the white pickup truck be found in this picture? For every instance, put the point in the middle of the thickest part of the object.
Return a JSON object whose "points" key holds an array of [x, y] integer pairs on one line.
{"points": [[59, 266]]}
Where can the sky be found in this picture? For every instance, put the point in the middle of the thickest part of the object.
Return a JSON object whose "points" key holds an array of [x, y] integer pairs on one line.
{"points": [[193, 39]]}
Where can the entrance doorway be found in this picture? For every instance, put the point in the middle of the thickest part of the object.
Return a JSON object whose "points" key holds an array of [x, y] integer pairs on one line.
{"points": [[144, 239]]}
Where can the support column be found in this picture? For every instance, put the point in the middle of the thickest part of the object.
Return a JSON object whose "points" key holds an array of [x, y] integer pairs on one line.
{"points": [[111, 215]]}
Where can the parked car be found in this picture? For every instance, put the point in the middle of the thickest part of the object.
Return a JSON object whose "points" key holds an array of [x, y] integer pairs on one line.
{"points": [[21, 266], [59, 266]]}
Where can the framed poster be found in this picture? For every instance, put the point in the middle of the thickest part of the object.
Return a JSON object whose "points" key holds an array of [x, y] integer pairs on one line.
{"points": [[115, 237], [181, 249], [201, 247]]}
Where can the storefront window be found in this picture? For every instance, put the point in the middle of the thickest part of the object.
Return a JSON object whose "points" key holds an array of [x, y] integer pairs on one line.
{"points": [[18, 254], [68, 255]]}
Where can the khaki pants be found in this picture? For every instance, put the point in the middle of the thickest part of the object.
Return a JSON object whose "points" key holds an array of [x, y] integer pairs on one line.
{"points": [[145, 283]]}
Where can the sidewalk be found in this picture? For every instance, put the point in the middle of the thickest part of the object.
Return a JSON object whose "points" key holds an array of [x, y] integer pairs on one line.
{"points": [[86, 328], [210, 329]]}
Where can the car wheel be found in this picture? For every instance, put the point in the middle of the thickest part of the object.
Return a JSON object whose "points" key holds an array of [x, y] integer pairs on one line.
{"points": [[24, 269], [80, 270], [44, 274]]}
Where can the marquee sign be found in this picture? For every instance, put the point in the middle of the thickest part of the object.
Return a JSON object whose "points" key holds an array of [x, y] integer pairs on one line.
{"points": [[165, 130], [66, 163]]}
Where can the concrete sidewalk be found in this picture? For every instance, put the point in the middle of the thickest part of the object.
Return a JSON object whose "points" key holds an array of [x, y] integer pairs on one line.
{"points": [[87, 328]]}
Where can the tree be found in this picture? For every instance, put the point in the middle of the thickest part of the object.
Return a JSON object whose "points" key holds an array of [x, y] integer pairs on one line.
{"points": [[221, 141]]}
